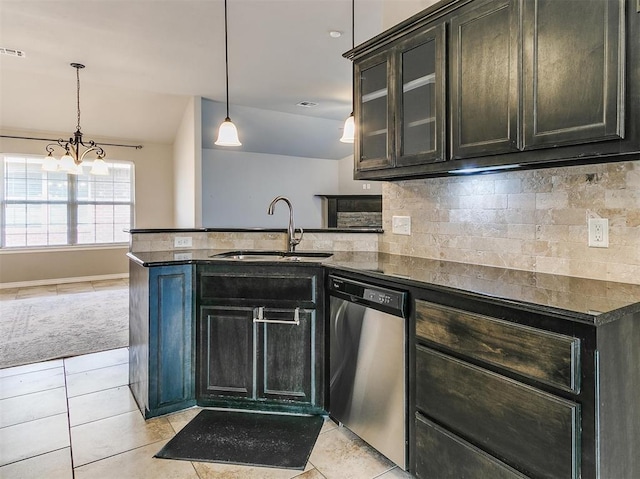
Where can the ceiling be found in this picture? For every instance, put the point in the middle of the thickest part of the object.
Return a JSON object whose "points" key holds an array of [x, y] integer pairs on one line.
{"points": [[145, 58]]}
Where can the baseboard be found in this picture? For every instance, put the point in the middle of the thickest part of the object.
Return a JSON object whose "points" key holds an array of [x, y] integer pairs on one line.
{"points": [[46, 282]]}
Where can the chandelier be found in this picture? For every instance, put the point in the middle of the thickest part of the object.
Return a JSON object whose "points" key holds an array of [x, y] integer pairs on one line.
{"points": [[71, 161]]}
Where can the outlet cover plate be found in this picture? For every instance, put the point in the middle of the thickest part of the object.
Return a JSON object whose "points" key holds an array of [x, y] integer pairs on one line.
{"points": [[401, 225], [598, 232], [182, 242]]}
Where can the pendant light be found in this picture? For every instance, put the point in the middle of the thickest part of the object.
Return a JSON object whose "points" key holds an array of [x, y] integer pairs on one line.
{"points": [[227, 134], [349, 130]]}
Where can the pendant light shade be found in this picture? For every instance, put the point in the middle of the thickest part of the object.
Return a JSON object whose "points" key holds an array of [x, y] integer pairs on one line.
{"points": [[99, 167], [349, 131], [227, 133]]}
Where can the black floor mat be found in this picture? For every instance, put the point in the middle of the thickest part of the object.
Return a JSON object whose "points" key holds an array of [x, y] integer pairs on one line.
{"points": [[269, 440]]}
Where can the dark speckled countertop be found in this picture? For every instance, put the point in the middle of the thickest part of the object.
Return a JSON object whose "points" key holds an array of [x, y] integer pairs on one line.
{"points": [[579, 299]]}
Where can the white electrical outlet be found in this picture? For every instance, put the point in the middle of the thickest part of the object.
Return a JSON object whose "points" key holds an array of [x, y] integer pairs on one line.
{"points": [[401, 225], [598, 232], [182, 242]]}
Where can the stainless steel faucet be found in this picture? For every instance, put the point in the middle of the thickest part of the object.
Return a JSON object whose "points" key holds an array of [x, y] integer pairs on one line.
{"points": [[292, 240]]}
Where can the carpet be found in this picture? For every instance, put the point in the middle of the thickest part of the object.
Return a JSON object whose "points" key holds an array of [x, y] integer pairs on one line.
{"points": [[51, 327], [231, 437]]}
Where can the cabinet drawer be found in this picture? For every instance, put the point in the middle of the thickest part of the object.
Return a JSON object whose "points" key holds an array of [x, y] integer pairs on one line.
{"points": [[441, 454], [533, 431], [259, 289], [541, 355]]}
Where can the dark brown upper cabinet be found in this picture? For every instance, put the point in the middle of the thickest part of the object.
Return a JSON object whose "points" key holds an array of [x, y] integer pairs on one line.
{"points": [[400, 103], [481, 85], [484, 79], [574, 67]]}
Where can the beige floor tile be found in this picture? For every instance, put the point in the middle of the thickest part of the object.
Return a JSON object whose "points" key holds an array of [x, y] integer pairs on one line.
{"points": [[180, 419], [101, 439], [100, 405], [32, 382], [97, 380], [8, 294], [18, 442], [212, 470], [328, 425], [138, 463], [68, 288], [395, 473], [52, 465], [30, 368], [30, 407], [103, 359], [310, 474], [340, 454], [37, 291], [110, 284]]}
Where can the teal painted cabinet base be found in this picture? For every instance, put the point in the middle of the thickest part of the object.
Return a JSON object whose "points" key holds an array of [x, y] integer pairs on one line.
{"points": [[161, 338]]}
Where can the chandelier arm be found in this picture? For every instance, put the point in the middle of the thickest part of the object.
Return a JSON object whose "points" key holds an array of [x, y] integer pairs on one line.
{"points": [[93, 148]]}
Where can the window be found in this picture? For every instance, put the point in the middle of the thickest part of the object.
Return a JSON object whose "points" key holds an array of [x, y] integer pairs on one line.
{"points": [[41, 208]]}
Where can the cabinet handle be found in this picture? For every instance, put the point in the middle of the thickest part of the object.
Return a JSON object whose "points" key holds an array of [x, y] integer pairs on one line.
{"points": [[258, 317]]}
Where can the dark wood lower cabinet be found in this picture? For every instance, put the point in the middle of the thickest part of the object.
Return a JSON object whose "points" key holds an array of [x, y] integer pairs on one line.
{"points": [[263, 349]]}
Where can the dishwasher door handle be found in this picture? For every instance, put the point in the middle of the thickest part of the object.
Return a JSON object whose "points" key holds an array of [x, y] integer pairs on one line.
{"points": [[258, 317]]}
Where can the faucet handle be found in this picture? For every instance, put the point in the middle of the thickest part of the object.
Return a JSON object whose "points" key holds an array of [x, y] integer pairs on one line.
{"points": [[295, 240]]}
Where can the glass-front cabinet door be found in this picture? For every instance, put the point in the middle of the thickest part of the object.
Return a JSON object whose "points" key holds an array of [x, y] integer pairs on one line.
{"points": [[374, 144], [420, 89]]}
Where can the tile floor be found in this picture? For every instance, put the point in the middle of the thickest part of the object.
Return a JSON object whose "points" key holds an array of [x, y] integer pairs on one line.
{"points": [[76, 418]]}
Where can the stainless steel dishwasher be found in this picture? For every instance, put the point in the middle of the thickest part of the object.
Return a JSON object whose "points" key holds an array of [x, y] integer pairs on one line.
{"points": [[367, 350]]}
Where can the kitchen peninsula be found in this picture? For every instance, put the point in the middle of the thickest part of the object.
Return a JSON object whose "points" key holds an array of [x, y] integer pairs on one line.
{"points": [[512, 373]]}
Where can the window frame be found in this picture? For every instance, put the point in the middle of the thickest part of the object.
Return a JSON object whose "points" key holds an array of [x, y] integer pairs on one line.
{"points": [[73, 204]]}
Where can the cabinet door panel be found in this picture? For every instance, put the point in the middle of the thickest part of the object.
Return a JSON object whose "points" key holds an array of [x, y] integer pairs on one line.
{"points": [[442, 455], [170, 338], [373, 114], [286, 353], [420, 116], [226, 352], [485, 76], [531, 430], [574, 66]]}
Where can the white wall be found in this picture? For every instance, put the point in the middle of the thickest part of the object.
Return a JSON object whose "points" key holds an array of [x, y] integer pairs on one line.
{"points": [[187, 164], [238, 187], [348, 186], [395, 11]]}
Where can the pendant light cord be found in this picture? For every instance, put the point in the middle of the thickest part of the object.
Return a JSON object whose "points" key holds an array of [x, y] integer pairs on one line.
{"points": [[78, 94], [226, 56], [353, 24]]}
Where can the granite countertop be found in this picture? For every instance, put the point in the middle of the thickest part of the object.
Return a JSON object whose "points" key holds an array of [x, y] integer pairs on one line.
{"points": [[579, 299]]}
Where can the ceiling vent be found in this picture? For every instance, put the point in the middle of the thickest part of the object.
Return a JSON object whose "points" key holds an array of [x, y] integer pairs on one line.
{"points": [[12, 53], [307, 104]]}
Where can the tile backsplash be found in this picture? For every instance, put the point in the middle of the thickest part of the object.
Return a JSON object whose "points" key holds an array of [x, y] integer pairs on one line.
{"points": [[530, 220]]}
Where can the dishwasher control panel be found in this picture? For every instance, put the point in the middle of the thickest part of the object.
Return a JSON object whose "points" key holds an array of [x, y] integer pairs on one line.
{"points": [[370, 294]]}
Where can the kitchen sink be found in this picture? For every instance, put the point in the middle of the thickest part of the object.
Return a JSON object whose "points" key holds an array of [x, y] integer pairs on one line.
{"points": [[261, 255]]}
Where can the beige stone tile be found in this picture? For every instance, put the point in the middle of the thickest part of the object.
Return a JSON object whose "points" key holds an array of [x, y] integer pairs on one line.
{"points": [[340, 454], [138, 463], [310, 474], [97, 380], [17, 442], [395, 473], [30, 368], [29, 407], [110, 284], [180, 419], [69, 288], [102, 359], [212, 470], [37, 291], [8, 294], [101, 405], [31, 382], [107, 437], [52, 465]]}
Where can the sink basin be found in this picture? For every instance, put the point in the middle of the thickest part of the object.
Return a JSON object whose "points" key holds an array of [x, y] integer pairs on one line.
{"points": [[258, 255]]}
